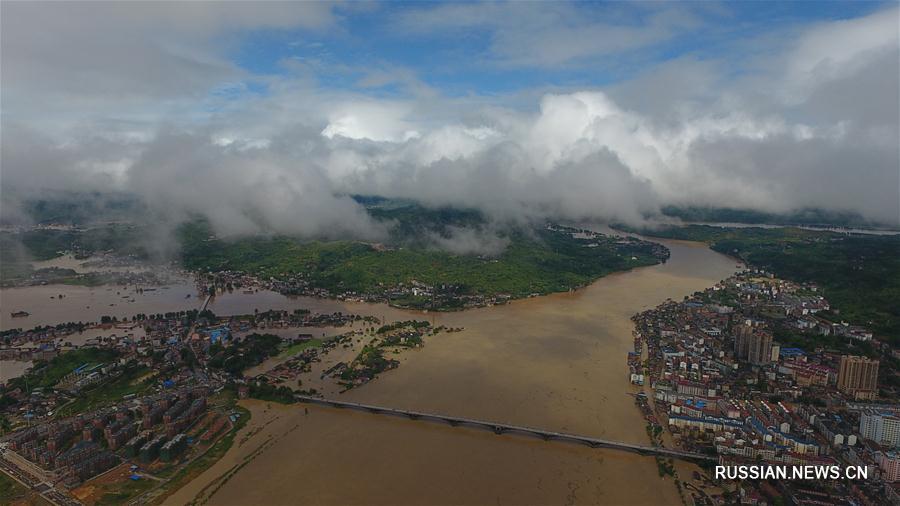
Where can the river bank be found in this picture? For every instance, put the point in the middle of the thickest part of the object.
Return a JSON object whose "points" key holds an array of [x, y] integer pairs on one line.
{"points": [[553, 362]]}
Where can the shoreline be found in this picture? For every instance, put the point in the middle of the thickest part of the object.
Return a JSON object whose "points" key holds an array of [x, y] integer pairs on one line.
{"points": [[493, 385], [552, 361]]}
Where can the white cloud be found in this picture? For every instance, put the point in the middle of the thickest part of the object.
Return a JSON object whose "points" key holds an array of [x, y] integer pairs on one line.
{"points": [[550, 34], [376, 121], [814, 125]]}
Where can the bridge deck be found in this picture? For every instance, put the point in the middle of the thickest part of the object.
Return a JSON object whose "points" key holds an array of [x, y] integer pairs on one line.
{"points": [[501, 428]]}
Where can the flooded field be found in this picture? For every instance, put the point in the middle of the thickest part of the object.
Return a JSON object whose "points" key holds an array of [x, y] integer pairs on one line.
{"points": [[91, 264], [554, 362], [83, 303], [313, 378]]}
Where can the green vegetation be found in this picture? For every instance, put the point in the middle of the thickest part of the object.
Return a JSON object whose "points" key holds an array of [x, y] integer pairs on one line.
{"points": [[413, 223], [46, 374], [534, 261], [369, 363], [80, 208], [266, 392], [299, 347], [10, 489], [12, 492], [250, 351], [61, 276], [413, 324], [12, 271], [17, 249], [109, 392], [44, 244], [407, 334], [665, 467], [860, 274], [819, 217], [123, 491], [792, 338]]}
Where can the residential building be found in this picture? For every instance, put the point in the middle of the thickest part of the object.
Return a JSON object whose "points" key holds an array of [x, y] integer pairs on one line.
{"points": [[760, 348], [889, 463], [880, 426], [742, 335], [858, 377]]}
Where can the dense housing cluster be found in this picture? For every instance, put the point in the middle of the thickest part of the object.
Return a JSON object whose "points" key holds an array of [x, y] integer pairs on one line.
{"points": [[727, 377], [136, 392], [74, 449]]}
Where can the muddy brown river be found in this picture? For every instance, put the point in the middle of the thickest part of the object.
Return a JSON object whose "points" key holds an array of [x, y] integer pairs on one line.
{"points": [[554, 362]]}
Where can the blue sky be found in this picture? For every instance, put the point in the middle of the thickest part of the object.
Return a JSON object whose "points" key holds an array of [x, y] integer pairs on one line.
{"points": [[269, 113], [457, 58]]}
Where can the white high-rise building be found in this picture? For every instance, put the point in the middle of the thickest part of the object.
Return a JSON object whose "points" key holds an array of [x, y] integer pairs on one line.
{"points": [[881, 427]]}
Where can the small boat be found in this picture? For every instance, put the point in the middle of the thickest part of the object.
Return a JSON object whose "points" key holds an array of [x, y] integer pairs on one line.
{"points": [[20, 314]]}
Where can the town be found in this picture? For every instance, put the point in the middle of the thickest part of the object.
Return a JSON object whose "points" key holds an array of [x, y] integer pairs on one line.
{"points": [[761, 370], [124, 408]]}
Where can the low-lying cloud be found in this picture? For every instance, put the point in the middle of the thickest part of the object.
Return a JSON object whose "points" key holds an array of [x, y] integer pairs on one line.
{"points": [[470, 241], [807, 127]]}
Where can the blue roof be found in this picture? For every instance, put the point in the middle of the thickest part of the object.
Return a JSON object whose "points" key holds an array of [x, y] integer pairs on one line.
{"points": [[791, 352], [758, 425], [709, 419], [218, 334]]}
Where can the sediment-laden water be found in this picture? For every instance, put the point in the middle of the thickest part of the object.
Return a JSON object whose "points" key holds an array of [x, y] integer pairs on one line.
{"points": [[554, 362]]}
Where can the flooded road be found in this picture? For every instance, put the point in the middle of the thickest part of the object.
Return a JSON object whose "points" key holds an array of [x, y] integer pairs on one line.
{"points": [[555, 362]]}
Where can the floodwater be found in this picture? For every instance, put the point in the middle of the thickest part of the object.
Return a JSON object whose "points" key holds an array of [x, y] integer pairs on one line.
{"points": [[814, 228], [555, 362], [86, 304], [85, 265], [10, 369], [81, 303]]}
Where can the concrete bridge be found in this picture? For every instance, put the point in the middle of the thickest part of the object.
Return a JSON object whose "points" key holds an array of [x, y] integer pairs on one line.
{"points": [[504, 428]]}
